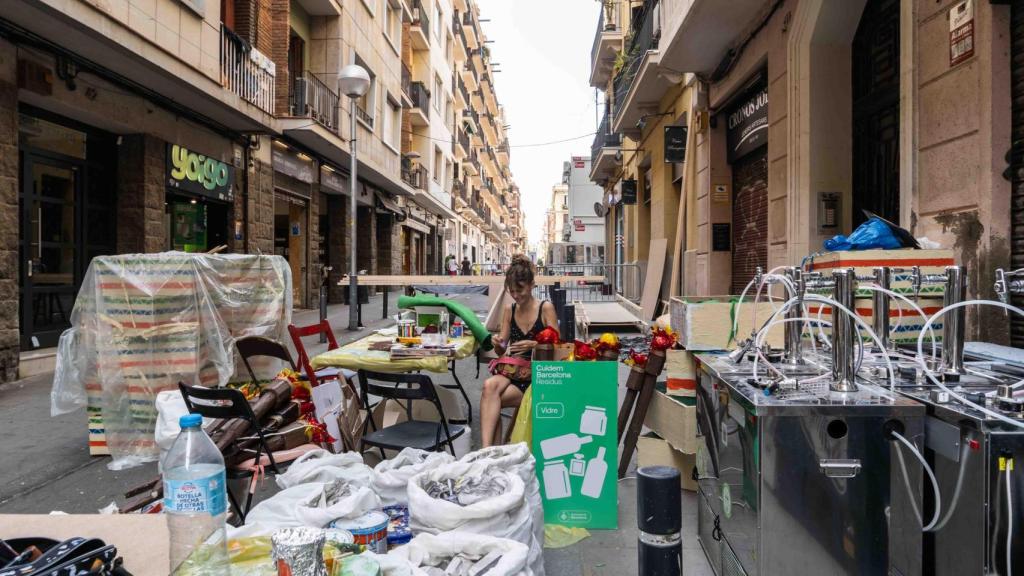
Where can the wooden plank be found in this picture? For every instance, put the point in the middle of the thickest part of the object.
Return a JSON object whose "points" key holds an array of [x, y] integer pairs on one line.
{"points": [[652, 281], [687, 184], [378, 280]]}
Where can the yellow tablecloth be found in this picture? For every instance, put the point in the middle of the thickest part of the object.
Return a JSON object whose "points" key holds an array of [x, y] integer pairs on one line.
{"points": [[357, 355]]}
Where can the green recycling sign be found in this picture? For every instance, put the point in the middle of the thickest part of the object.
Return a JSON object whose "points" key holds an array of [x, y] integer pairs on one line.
{"points": [[575, 442]]}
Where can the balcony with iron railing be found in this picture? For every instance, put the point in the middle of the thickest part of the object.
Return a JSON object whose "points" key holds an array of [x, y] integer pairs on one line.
{"points": [[469, 28], [420, 29], [246, 72], [420, 96], [462, 140], [310, 97], [644, 44], [607, 43], [364, 116], [461, 45], [415, 176], [603, 150]]}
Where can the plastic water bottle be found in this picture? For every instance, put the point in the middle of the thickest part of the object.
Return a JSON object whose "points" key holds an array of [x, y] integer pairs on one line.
{"points": [[195, 500]]}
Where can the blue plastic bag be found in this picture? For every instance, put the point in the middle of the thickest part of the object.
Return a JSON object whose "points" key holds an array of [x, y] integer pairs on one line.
{"points": [[870, 235]]}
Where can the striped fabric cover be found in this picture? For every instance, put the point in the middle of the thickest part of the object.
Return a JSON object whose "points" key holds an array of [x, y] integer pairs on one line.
{"points": [[144, 322]]}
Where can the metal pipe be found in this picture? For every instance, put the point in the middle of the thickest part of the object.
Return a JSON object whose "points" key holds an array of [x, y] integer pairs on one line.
{"points": [[353, 282], [794, 330], [843, 333], [955, 321], [881, 304]]}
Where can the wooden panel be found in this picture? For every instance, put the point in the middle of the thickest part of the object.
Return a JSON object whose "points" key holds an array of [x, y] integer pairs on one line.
{"points": [[652, 283]]}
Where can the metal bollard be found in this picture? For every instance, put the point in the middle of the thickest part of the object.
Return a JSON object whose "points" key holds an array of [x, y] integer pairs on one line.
{"points": [[659, 519], [567, 323], [323, 311]]}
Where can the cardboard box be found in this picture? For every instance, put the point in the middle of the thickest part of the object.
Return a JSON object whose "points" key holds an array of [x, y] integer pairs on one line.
{"points": [[705, 324], [674, 419], [143, 540], [864, 262], [652, 450], [681, 373]]}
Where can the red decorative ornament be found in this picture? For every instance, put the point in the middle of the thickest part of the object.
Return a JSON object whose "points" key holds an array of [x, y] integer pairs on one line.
{"points": [[662, 340], [584, 352], [547, 336], [318, 434], [636, 359]]}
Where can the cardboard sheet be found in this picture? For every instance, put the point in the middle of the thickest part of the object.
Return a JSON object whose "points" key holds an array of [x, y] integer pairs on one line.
{"points": [[143, 540]]}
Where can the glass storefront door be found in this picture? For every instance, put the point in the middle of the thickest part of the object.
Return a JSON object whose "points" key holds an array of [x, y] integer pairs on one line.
{"points": [[49, 249]]}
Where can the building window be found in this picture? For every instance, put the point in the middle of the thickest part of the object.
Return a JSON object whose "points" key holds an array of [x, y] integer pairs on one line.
{"points": [[366, 105], [438, 20], [438, 164], [448, 51], [449, 115], [448, 176], [438, 92], [393, 122], [392, 22]]}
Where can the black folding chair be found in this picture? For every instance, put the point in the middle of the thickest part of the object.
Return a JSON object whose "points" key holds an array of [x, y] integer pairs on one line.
{"points": [[420, 434], [228, 403], [253, 346]]}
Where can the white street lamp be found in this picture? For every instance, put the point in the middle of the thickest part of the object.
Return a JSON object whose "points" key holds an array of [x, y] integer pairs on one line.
{"points": [[353, 81]]}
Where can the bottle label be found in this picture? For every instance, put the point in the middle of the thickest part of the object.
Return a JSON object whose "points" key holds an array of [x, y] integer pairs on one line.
{"points": [[206, 494]]}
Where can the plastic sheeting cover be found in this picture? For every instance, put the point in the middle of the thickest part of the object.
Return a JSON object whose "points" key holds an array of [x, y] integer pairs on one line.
{"points": [[144, 322]]}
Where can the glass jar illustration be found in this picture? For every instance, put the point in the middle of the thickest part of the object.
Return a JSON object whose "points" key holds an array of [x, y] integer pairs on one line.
{"points": [[593, 421]]}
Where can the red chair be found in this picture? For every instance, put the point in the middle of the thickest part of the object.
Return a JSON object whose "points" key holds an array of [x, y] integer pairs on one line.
{"points": [[324, 374]]}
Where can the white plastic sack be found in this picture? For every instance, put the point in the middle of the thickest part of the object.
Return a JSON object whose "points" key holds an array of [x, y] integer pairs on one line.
{"points": [[392, 564], [503, 515], [315, 504], [516, 458], [391, 477], [434, 550], [323, 466]]}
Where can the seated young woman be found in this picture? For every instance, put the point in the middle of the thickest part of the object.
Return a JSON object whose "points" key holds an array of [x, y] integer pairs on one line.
{"points": [[520, 324]]}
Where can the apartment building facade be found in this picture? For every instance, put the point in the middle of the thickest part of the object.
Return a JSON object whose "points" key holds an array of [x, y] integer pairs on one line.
{"points": [[574, 225], [802, 114], [150, 125]]}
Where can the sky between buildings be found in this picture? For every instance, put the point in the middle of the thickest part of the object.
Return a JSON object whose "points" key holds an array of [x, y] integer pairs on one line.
{"points": [[543, 51]]}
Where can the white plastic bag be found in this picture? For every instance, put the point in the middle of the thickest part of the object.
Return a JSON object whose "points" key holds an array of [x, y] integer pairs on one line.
{"points": [[323, 466], [392, 564], [516, 458], [314, 504], [391, 477], [432, 550], [504, 514]]}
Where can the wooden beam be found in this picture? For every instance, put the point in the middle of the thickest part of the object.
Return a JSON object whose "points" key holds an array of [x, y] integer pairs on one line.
{"points": [[377, 280]]}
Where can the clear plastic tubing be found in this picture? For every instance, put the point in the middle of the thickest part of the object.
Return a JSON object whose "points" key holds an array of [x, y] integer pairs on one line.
{"points": [[877, 288], [764, 331], [938, 382], [931, 476]]}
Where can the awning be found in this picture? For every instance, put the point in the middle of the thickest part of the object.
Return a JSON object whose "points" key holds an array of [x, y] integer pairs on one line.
{"points": [[433, 205], [415, 224], [385, 203]]}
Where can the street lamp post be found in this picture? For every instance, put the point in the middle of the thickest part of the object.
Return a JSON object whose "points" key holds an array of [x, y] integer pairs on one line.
{"points": [[353, 81]]}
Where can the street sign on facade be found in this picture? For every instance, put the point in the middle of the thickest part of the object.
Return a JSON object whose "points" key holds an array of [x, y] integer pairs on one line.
{"points": [[961, 32]]}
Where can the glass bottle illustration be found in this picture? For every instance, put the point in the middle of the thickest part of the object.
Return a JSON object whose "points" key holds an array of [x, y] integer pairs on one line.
{"points": [[562, 445], [593, 481]]}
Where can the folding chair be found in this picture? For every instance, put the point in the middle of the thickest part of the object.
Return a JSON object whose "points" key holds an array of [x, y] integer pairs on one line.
{"points": [[412, 433], [315, 377], [254, 346], [228, 403]]}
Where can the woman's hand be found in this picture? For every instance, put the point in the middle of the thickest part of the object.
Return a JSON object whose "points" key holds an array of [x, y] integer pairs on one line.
{"points": [[522, 346]]}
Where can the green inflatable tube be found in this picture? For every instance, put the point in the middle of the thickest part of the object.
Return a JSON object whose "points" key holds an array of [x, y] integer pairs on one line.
{"points": [[461, 310]]}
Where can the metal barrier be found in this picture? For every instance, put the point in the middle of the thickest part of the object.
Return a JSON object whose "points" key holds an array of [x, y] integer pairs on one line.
{"points": [[627, 277]]}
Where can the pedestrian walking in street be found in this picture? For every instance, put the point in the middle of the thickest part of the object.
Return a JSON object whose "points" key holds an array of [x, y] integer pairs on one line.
{"points": [[466, 270], [453, 266], [515, 344]]}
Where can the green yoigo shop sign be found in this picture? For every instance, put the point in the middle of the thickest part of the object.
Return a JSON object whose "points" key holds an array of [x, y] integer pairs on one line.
{"points": [[575, 442], [199, 174]]}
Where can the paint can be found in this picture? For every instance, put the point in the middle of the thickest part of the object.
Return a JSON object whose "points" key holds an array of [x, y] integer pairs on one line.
{"points": [[369, 530]]}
